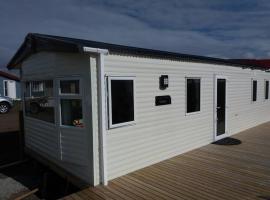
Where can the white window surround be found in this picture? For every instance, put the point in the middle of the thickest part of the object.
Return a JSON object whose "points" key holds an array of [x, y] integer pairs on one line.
{"points": [[196, 112], [69, 96], [110, 78]]}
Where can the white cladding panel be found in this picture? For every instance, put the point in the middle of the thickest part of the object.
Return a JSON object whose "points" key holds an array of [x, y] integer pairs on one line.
{"points": [[161, 132], [70, 148]]}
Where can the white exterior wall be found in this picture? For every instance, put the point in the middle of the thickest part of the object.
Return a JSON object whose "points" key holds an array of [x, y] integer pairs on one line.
{"points": [[71, 149], [160, 132], [165, 131]]}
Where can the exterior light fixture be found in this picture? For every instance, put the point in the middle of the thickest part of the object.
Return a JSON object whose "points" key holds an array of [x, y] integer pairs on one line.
{"points": [[163, 82]]}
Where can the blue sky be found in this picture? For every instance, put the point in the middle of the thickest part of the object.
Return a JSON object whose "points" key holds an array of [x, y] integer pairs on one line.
{"points": [[218, 28]]}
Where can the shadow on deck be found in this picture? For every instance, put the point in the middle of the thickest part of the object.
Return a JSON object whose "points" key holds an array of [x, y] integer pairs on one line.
{"points": [[213, 172]]}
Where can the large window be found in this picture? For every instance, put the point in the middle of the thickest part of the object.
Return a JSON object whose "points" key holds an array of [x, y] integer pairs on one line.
{"points": [[121, 101], [266, 90], [193, 92], [254, 90], [39, 100], [71, 103]]}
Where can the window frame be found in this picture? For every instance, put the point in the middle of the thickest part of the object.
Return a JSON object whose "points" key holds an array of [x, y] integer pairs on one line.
{"points": [[70, 79], [186, 100], [252, 101], [70, 96], [109, 103], [265, 81]]}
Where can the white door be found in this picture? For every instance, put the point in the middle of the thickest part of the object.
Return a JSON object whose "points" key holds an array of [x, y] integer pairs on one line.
{"points": [[10, 89], [220, 107]]}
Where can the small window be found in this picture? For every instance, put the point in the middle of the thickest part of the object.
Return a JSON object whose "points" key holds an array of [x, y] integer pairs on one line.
{"points": [[39, 100], [69, 86], [266, 90], [254, 90], [193, 91], [71, 112], [121, 101]]}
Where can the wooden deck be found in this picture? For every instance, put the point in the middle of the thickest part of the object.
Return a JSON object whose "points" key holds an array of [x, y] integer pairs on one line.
{"points": [[208, 173]]}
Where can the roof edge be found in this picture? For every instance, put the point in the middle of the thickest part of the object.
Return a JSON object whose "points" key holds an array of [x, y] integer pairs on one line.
{"points": [[9, 76], [35, 42]]}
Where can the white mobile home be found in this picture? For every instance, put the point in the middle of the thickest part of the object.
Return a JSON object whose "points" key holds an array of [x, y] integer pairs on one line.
{"points": [[9, 85], [99, 111]]}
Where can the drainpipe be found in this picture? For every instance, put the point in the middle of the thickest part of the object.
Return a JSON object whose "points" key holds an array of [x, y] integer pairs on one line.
{"points": [[101, 111]]}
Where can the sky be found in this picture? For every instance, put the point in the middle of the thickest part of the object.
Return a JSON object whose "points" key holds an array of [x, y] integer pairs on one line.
{"points": [[216, 28]]}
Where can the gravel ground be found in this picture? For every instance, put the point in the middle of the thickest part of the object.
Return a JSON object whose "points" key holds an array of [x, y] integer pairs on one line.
{"points": [[10, 187]]}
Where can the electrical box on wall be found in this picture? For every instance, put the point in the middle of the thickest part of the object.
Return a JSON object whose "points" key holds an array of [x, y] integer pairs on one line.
{"points": [[163, 82]]}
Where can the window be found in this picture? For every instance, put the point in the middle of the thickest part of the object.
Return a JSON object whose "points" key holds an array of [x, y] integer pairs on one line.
{"points": [[193, 92], [266, 90], [69, 87], [71, 103], [71, 112], [39, 100], [121, 101], [37, 86], [254, 90]]}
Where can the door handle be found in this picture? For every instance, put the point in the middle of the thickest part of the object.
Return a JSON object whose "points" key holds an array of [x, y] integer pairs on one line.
{"points": [[218, 107]]}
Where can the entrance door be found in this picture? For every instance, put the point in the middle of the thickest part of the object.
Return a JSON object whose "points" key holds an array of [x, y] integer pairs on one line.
{"points": [[220, 118]]}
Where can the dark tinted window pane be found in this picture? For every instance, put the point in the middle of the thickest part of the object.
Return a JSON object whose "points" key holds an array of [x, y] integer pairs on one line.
{"points": [[193, 95], [122, 96], [254, 92], [221, 106], [69, 87], [71, 112], [266, 89], [39, 100]]}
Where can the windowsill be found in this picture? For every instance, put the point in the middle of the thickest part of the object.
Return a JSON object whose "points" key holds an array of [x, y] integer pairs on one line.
{"points": [[193, 113], [132, 123], [72, 127]]}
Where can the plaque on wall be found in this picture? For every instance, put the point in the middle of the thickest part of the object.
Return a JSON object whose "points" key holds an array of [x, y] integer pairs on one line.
{"points": [[163, 100]]}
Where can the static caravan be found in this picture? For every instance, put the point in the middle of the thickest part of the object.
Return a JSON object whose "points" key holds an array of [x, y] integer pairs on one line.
{"points": [[98, 111], [9, 85]]}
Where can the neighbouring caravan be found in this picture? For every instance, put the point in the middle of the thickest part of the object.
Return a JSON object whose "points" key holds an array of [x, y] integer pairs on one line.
{"points": [[10, 84], [98, 111]]}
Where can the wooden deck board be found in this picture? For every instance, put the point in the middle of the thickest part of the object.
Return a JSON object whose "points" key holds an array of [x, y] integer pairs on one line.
{"points": [[211, 172]]}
